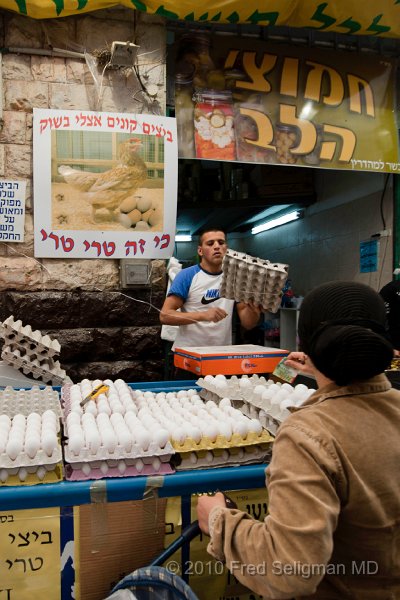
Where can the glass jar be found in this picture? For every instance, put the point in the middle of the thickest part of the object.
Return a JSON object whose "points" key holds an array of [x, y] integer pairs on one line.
{"points": [[213, 123], [195, 49], [184, 112], [232, 76], [286, 137], [313, 158]]}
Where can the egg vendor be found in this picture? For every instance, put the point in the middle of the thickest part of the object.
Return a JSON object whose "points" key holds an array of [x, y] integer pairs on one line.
{"points": [[333, 527], [194, 303]]}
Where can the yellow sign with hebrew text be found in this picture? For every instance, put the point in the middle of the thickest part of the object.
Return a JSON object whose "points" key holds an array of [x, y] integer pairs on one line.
{"points": [[343, 16], [251, 101], [30, 563]]}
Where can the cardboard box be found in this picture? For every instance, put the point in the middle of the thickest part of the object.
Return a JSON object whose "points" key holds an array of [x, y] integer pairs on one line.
{"points": [[228, 360], [115, 539]]}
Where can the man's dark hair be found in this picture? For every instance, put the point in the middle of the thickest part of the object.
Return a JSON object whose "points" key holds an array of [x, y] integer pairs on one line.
{"points": [[207, 229]]}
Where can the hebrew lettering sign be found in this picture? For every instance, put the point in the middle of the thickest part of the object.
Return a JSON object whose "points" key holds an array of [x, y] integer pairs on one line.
{"points": [[251, 101]]}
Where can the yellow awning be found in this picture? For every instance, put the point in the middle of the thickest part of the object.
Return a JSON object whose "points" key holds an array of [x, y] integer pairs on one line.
{"points": [[343, 16]]}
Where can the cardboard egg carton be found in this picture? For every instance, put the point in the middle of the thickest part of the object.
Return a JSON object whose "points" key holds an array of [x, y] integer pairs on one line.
{"points": [[236, 456], [246, 278], [85, 455], [31, 340], [40, 459], [31, 352], [31, 475], [221, 442], [124, 468], [13, 402]]}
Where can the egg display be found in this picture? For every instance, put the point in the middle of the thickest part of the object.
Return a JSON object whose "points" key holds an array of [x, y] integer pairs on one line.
{"points": [[265, 402], [30, 449], [246, 278], [125, 431]]}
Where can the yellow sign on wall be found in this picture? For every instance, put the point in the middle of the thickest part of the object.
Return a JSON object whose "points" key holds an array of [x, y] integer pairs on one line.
{"points": [[246, 100], [30, 554], [343, 16]]}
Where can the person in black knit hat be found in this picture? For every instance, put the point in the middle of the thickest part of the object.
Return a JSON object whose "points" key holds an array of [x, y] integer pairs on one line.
{"points": [[333, 526]]}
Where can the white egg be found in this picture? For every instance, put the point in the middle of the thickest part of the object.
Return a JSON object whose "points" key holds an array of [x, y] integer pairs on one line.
{"points": [[3, 475], [22, 474], [94, 441], [32, 445], [49, 443], [193, 458], [301, 387], [224, 402], [209, 379], [179, 435], [209, 457], [14, 447], [289, 388], [255, 426], [225, 429], [139, 465], [125, 439], [109, 440], [195, 434], [40, 473], [104, 468], [156, 464], [121, 467], [210, 430], [240, 427], [142, 438], [161, 437], [75, 443], [286, 403], [86, 469], [91, 408]]}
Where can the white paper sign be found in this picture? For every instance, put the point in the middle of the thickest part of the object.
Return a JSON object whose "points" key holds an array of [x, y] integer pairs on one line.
{"points": [[12, 210], [105, 184]]}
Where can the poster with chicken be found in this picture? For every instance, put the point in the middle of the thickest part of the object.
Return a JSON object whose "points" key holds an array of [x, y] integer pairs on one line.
{"points": [[105, 184]]}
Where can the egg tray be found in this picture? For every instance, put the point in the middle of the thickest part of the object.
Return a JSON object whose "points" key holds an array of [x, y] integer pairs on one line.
{"points": [[258, 453], [23, 460], [31, 340], [153, 451], [48, 371], [75, 473], [250, 410], [51, 476], [221, 442], [246, 278], [27, 406], [233, 391]]}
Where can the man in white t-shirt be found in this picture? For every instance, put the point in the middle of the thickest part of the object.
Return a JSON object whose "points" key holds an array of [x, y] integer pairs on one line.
{"points": [[193, 301]]}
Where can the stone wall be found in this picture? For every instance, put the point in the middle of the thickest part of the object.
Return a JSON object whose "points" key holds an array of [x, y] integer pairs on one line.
{"points": [[103, 331]]}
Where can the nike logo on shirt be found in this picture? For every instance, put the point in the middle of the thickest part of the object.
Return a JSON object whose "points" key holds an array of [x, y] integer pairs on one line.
{"points": [[210, 296]]}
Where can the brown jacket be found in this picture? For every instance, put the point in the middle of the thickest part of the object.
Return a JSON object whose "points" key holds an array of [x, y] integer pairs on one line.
{"points": [[333, 528]]}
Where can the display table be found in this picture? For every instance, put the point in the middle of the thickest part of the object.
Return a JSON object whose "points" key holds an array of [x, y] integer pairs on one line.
{"points": [[183, 483]]}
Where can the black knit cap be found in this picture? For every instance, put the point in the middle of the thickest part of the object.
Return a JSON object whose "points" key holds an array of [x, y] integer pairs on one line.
{"points": [[342, 329]]}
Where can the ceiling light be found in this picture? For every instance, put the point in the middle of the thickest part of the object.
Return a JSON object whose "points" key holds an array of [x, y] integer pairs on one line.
{"points": [[183, 237], [292, 216]]}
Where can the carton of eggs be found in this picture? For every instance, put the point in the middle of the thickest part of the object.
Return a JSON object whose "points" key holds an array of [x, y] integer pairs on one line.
{"points": [[29, 445]]}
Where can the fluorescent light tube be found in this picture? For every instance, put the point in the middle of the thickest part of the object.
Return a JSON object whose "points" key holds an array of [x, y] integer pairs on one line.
{"points": [[292, 216], [182, 237]]}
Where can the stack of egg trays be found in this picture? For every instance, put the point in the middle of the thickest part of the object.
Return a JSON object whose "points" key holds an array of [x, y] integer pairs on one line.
{"points": [[153, 461], [41, 468], [206, 453], [31, 352], [246, 278]]}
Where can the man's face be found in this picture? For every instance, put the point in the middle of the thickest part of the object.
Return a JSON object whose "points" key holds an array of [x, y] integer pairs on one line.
{"points": [[212, 248]]}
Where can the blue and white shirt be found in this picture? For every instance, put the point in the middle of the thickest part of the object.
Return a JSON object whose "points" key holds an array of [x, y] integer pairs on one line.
{"points": [[199, 291]]}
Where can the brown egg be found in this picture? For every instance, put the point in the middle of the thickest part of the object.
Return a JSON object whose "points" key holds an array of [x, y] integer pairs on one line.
{"points": [[135, 216], [128, 204], [143, 204], [146, 215]]}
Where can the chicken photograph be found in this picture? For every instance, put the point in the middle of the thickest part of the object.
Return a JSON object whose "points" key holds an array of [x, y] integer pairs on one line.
{"points": [[118, 197]]}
